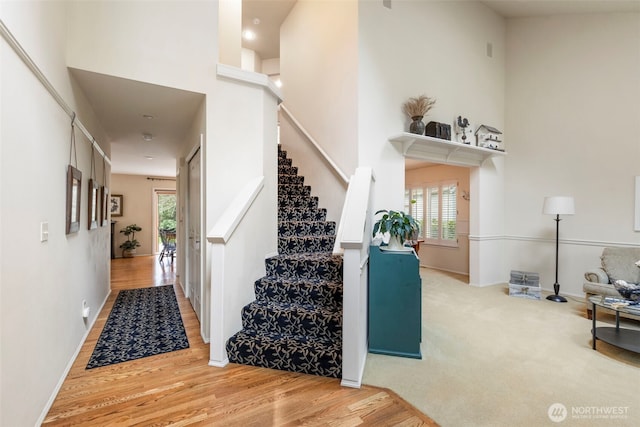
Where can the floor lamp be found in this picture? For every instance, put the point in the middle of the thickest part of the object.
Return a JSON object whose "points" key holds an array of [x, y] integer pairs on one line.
{"points": [[558, 205]]}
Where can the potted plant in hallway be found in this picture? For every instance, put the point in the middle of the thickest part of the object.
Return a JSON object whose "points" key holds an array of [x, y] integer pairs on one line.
{"points": [[129, 246], [399, 225]]}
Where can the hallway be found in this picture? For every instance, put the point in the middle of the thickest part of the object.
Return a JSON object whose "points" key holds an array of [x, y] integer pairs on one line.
{"points": [[179, 388]]}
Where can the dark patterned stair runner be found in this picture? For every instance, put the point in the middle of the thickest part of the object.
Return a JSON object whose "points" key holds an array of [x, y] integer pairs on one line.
{"points": [[295, 323]]}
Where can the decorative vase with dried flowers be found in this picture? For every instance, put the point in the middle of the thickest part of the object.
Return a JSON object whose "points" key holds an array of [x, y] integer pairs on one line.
{"points": [[417, 108]]}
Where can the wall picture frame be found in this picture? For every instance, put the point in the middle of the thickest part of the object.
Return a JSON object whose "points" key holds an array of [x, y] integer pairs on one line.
{"points": [[116, 205], [94, 207], [74, 199], [104, 206]]}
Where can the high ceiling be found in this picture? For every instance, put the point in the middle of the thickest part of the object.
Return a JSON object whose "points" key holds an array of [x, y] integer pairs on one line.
{"points": [[120, 104], [128, 110], [264, 18]]}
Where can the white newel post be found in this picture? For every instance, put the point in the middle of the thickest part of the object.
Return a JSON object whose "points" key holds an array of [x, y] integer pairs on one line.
{"points": [[217, 351], [355, 236]]}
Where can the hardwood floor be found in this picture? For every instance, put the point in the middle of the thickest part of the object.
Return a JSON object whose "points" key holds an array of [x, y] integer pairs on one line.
{"points": [[179, 388]]}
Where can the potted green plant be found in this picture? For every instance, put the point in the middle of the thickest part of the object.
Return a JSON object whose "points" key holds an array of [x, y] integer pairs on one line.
{"points": [[399, 225], [129, 246]]}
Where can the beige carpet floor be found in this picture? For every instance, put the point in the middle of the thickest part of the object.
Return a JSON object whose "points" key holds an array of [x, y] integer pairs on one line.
{"points": [[489, 359]]}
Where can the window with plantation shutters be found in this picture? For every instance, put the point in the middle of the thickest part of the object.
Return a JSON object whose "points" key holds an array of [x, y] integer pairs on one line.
{"points": [[448, 212], [434, 206], [414, 205]]}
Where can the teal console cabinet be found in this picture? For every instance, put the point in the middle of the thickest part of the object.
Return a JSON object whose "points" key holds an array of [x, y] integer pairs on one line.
{"points": [[395, 303]]}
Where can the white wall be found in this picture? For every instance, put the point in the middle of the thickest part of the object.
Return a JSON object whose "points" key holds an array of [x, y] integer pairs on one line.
{"points": [[572, 93], [318, 68], [42, 285], [437, 48], [250, 60], [169, 43], [230, 32]]}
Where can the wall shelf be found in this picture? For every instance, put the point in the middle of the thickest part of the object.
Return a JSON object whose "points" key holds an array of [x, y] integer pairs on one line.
{"points": [[442, 151]]}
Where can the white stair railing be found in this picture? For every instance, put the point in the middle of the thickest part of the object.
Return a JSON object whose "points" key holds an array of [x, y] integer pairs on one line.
{"points": [[312, 141], [353, 240], [227, 293]]}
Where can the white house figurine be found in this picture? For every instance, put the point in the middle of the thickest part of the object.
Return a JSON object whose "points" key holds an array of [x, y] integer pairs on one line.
{"points": [[489, 137]]}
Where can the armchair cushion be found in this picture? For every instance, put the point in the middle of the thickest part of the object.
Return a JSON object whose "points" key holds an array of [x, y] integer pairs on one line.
{"points": [[619, 264]]}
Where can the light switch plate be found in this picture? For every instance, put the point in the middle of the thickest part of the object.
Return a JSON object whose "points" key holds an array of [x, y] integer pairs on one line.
{"points": [[44, 231]]}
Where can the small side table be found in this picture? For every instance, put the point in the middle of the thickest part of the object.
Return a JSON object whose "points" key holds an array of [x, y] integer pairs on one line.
{"points": [[628, 339]]}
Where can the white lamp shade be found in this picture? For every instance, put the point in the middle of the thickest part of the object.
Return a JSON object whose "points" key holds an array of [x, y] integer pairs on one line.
{"points": [[559, 205]]}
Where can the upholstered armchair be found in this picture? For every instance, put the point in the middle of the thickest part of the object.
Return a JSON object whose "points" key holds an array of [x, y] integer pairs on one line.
{"points": [[616, 264]]}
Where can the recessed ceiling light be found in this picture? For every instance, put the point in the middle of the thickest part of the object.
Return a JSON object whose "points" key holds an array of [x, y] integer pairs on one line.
{"points": [[256, 21], [248, 35], [148, 157], [147, 116], [147, 136]]}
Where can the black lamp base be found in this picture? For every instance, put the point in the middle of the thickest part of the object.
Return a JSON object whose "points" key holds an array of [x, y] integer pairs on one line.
{"points": [[556, 298]]}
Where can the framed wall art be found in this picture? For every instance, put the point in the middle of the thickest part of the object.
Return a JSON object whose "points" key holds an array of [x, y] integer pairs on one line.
{"points": [[104, 206], [74, 192], [94, 210], [116, 205]]}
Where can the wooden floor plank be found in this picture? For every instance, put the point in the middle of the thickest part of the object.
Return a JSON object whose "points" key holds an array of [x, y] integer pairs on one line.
{"points": [[180, 389]]}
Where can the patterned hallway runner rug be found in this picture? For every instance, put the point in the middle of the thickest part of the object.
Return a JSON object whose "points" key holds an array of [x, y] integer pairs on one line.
{"points": [[143, 322]]}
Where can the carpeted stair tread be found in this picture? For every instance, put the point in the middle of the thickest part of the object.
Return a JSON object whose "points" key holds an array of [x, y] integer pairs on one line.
{"points": [[284, 161], [289, 353], [288, 190], [325, 266], [301, 291], [297, 202], [295, 214], [300, 244], [290, 180], [287, 170], [292, 319], [306, 228]]}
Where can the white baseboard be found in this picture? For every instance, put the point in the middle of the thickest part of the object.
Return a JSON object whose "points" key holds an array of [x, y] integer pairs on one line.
{"points": [[464, 273], [222, 364], [350, 383], [58, 386]]}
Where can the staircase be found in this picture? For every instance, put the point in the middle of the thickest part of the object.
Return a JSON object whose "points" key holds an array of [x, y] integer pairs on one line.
{"points": [[295, 323]]}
